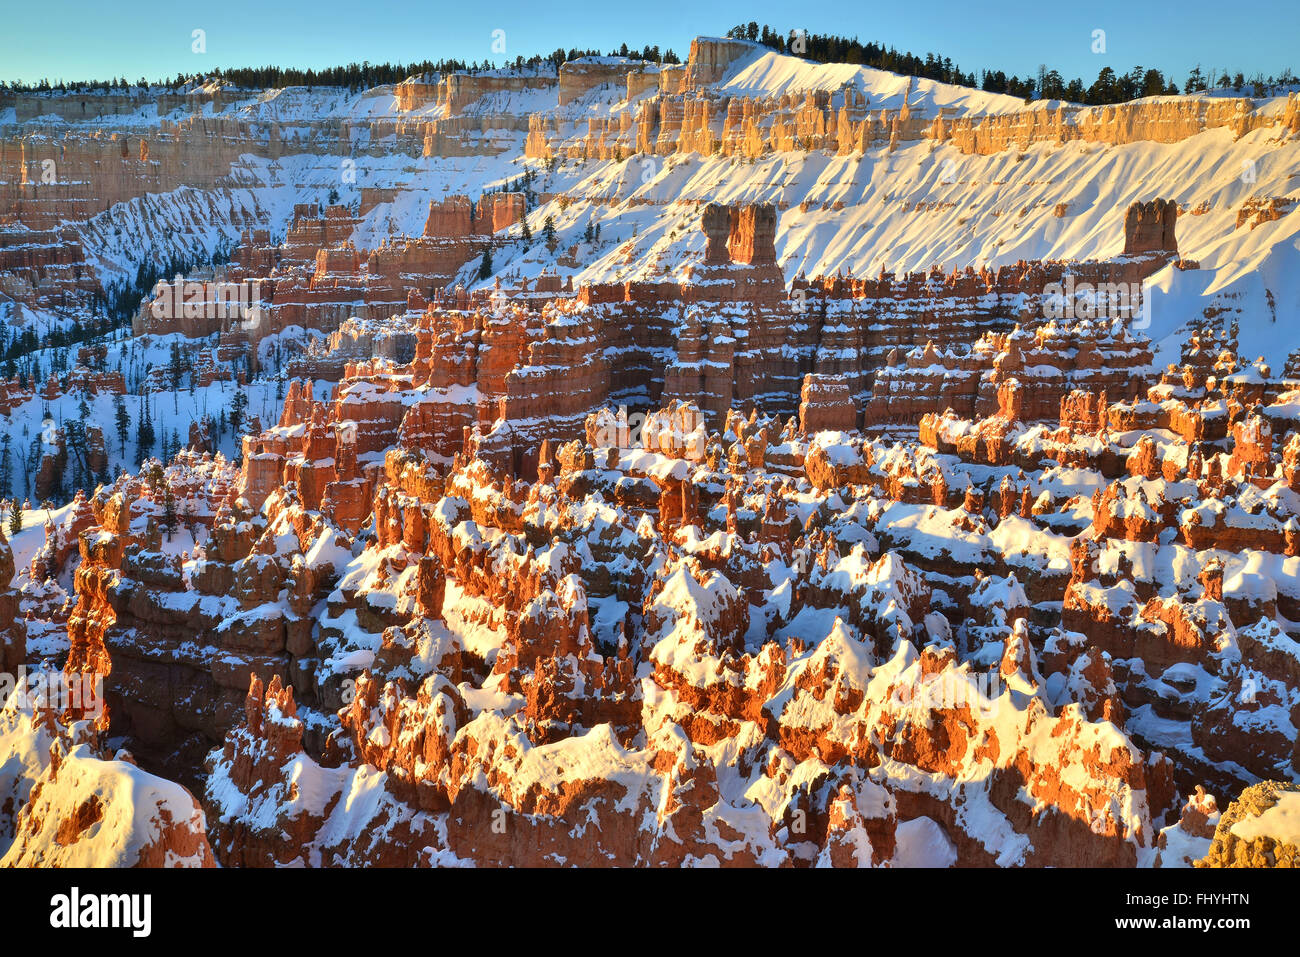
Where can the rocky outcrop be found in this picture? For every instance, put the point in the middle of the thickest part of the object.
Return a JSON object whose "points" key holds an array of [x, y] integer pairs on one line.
{"points": [[87, 812], [826, 403], [1149, 228], [1258, 829], [65, 803]]}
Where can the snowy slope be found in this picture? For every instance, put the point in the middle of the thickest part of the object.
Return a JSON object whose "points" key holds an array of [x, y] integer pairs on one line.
{"points": [[919, 205]]}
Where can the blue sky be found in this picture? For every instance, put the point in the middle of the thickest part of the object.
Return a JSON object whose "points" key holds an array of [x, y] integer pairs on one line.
{"points": [[75, 39]]}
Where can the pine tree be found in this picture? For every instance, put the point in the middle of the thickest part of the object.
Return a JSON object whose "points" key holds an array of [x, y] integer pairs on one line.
{"points": [[548, 232], [74, 449], [144, 434], [15, 518], [123, 418], [527, 234], [35, 455], [237, 409], [6, 466], [174, 367], [485, 267], [169, 513]]}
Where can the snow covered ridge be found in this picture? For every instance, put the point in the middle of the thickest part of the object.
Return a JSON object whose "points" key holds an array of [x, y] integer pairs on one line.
{"points": [[864, 178], [1259, 830], [66, 804]]}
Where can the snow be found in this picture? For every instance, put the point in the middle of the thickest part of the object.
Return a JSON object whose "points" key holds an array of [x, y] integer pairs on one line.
{"points": [[919, 205], [766, 73], [1180, 848], [922, 842], [1281, 822], [594, 755], [137, 806], [27, 542]]}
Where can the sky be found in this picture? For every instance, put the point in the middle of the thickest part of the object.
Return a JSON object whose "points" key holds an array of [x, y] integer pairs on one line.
{"points": [[93, 39]]}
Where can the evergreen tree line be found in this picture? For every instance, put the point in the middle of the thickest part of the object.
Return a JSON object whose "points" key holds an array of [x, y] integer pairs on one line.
{"points": [[1109, 87], [122, 301], [19, 350], [72, 468], [354, 76]]}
